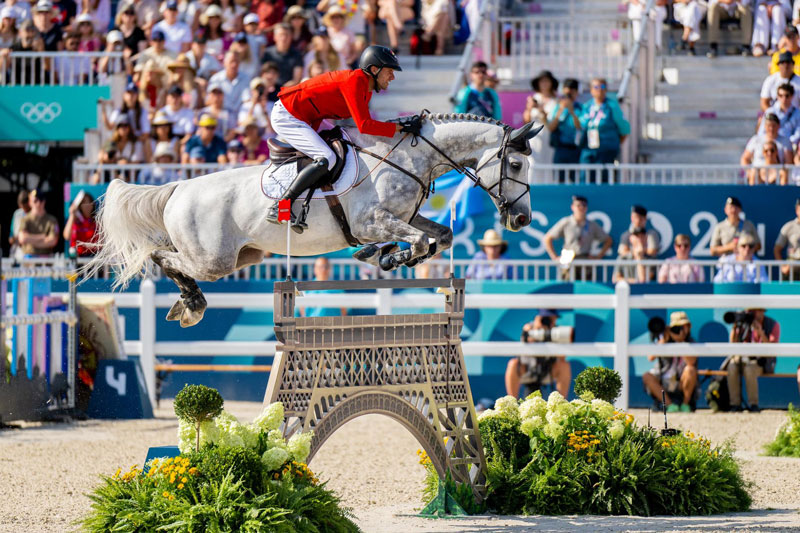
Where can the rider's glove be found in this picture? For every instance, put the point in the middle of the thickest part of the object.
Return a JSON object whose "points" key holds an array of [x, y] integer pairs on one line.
{"points": [[411, 125]]}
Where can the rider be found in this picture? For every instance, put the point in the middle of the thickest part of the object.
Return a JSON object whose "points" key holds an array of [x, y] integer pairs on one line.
{"points": [[336, 95]]}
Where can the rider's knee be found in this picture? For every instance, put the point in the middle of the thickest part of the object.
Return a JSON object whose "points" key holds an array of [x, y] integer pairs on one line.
{"points": [[328, 162]]}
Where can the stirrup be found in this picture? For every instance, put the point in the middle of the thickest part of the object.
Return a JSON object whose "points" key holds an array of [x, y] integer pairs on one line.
{"points": [[299, 223], [272, 213]]}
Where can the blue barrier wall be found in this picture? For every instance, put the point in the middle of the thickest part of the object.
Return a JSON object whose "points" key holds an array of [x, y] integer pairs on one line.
{"points": [[486, 373]]}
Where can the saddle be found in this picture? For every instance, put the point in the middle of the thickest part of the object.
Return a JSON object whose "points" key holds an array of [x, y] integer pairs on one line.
{"points": [[281, 153]]}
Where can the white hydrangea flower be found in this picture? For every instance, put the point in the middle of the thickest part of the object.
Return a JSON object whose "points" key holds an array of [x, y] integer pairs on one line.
{"points": [[489, 413], [527, 409], [299, 446], [578, 403], [507, 407], [270, 418], [554, 399], [209, 434], [274, 458], [275, 439], [553, 430], [617, 429], [587, 396], [529, 425], [602, 408], [539, 406], [249, 434]]}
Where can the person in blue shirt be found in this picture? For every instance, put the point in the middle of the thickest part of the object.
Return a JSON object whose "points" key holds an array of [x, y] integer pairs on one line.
{"points": [[604, 127], [322, 272], [490, 262], [564, 123], [205, 146], [477, 98]]}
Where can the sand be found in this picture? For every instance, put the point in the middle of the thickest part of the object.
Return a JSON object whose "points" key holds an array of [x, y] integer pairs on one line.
{"points": [[46, 470]]}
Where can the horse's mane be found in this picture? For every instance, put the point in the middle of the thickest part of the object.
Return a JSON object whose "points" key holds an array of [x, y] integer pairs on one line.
{"points": [[460, 117]]}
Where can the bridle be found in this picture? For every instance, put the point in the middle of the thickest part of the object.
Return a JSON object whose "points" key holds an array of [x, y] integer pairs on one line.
{"points": [[504, 205]]}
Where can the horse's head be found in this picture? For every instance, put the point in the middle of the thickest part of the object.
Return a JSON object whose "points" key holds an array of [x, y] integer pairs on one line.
{"points": [[505, 175]]}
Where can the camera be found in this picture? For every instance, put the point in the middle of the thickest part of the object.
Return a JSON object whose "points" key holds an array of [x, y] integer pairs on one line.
{"points": [[741, 320], [260, 90], [558, 334]]}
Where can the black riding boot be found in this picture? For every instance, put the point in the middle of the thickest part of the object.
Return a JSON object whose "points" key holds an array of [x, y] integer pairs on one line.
{"points": [[304, 180]]}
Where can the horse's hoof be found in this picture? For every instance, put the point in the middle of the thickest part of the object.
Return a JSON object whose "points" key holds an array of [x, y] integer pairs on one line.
{"points": [[176, 310], [189, 318], [387, 262], [365, 253]]}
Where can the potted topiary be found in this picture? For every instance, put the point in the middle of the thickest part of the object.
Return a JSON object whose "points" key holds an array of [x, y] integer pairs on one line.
{"points": [[198, 404], [603, 383]]}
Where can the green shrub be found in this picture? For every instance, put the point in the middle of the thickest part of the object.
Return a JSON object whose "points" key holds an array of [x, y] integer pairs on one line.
{"points": [[603, 383], [198, 404], [244, 464], [787, 440]]}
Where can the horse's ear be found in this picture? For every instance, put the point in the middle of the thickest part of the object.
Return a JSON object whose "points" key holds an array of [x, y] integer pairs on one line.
{"points": [[519, 137]]}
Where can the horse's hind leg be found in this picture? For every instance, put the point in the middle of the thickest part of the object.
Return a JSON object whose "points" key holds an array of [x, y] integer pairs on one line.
{"points": [[191, 306]]}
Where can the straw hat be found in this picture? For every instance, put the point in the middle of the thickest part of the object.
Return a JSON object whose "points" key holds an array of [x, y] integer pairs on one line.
{"points": [[180, 62], [161, 119], [163, 148], [334, 10], [255, 82], [211, 11], [295, 11], [678, 318], [492, 238]]}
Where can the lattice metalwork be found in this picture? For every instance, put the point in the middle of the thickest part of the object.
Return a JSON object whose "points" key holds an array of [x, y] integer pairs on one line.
{"points": [[329, 370]]}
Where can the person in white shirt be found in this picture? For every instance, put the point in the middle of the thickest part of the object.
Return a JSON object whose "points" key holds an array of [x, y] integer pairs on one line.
{"points": [[724, 10], [205, 65], [178, 34], [636, 12], [785, 74], [741, 266], [233, 83], [182, 118], [770, 22]]}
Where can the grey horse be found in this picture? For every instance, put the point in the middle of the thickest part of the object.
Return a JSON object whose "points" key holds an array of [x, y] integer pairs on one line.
{"points": [[207, 227]]}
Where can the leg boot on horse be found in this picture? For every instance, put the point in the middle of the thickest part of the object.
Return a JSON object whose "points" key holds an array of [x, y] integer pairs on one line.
{"points": [[305, 179]]}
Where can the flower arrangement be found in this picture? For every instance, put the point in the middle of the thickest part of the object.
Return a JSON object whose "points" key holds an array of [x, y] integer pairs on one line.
{"points": [[230, 476], [787, 439], [585, 457]]}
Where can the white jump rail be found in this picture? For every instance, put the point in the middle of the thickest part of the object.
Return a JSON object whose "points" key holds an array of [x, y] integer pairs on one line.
{"points": [[58, 68], [621, 302]]}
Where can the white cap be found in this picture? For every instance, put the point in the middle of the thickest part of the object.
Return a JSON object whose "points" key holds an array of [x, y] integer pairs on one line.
{"points": [[114, 36], [163, 148], [213, 11], [251, 18], [43, 5], [84, 17], [7, 13]]}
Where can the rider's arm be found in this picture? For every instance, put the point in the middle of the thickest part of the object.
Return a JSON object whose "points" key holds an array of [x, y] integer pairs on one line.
{"points": [[355, 96]]}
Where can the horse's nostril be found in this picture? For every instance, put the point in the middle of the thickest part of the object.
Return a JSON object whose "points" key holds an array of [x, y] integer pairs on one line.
{"points": [[522, 220]]}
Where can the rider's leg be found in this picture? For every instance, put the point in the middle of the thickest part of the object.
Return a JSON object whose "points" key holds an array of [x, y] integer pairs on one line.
{"points": [[304, 138]]}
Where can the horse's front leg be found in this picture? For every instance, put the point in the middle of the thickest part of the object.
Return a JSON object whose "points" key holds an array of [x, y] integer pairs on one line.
{"points": [[442, 235], [383, 226]]}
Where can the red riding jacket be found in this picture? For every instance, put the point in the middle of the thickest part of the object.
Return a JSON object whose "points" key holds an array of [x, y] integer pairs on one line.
{"points": [[335, 95]]}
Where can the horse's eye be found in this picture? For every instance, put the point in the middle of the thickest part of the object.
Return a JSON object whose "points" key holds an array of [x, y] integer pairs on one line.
{"points": [[515, 165]]}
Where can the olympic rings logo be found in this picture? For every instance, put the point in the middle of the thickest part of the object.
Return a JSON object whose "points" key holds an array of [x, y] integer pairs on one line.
{"points": [[40, 112]]}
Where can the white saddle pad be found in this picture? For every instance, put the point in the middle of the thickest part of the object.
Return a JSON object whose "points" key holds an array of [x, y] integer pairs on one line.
{"points": [[276, 179]]}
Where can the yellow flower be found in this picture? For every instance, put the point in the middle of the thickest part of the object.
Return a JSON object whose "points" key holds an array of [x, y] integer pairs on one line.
{"points": [[180, 485], [184, 479], [165, 494]]}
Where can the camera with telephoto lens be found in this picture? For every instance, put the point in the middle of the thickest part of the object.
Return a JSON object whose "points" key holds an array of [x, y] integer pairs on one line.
{"points": [[742, 321], [656, 326], [557, 334]]}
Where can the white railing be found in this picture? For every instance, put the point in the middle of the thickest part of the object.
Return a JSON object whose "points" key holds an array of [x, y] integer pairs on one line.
{"points": [[522, 46], [637, 87], [543, 173], [621, 302], [58, 68], [523, 270]]}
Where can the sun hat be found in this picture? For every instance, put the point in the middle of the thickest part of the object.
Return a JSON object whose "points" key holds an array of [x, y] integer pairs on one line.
{"points": [[255, 82], [294, 11], [84, 17], [747, 238], [180, 62], [542, 75], [161, 119], [678, 318], [333, 11], [492, 238], [211, 11], [163, 148]]}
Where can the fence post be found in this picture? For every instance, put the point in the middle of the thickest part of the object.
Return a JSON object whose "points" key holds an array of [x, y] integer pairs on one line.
{"points": [[147, 336], [622, 316]]}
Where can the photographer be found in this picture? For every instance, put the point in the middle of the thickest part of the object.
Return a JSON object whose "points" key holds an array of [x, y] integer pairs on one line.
{"points": [[533, 372], [752, 326], [675, 375]]}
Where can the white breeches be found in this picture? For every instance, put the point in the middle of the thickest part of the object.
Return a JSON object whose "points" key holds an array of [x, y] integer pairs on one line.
{"points": [[767, 30], [299, 134], [690, 15], [659, 15]]}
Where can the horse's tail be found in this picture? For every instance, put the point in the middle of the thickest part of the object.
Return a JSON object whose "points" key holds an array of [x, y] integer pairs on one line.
{"points": [[130, 227]]}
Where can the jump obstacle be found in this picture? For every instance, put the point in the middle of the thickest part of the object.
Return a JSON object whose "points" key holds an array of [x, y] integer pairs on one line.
{"points": [[329, 370], [43, 343]]}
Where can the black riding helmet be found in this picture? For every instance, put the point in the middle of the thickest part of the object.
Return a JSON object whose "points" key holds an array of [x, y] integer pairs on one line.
{"points": [[379, 56]]}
